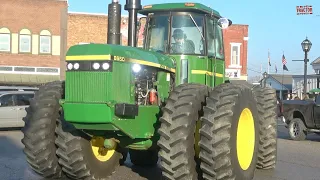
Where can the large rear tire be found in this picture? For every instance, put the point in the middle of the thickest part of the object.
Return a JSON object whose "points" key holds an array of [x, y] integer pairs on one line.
{"points": [[39, 130], [177, 132], [80, 159], [267, 108], [229, 134]]}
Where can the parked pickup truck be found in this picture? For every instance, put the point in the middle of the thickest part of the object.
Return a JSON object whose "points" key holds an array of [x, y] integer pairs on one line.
{"points": [[301, 117]]}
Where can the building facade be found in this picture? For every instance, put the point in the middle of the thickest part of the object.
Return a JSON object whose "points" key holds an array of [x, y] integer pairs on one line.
{"points": [[32, 34], [81, 25], [297, 84], [236, 51], [281, 83], [35, 35]]}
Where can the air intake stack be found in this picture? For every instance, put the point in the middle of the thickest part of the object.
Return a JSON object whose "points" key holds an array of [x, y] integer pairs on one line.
{"points": [[132, 6], [114, 19]]}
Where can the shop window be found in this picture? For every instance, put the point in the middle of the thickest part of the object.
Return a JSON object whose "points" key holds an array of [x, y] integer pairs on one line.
{"points": [[5, 40], [25, 41], [45, 42], [235, 54]]}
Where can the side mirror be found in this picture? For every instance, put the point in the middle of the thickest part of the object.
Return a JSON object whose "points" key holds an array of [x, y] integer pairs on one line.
{"points": [[224, 23]]}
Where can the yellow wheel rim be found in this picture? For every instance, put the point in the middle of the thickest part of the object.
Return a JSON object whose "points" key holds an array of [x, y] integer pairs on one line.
{"points": [[197, 139], [99, 151], [245, 139]]}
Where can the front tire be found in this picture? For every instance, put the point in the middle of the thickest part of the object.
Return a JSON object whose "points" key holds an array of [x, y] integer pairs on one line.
{"points": [[229, 134], [80, 159], [297, 130], [177, 132], [39, 130]]}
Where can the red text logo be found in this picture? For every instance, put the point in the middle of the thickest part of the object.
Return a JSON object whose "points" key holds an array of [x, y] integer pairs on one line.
{"points": [[302, 10]]}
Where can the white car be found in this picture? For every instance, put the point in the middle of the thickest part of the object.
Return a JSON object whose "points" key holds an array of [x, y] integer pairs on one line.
{"points": [[13, 106]]}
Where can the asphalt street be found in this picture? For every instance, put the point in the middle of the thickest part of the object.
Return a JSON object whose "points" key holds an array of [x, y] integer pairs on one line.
{"points": [[296, 161]]}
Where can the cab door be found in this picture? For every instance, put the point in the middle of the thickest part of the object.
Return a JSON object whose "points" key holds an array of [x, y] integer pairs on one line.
{"points": [[215, 49], [8, 111]]}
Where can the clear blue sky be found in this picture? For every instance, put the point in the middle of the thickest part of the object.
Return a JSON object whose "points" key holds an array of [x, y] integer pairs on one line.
{"points": [[272, 24]]}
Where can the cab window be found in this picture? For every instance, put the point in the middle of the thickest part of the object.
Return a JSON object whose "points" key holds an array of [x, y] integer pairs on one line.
{"points": [[214, 35], [187, 35], [157, 37]]}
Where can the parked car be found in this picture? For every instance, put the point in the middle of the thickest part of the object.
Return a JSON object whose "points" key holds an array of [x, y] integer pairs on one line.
{"points": [[18, 88], [13, 106], [301, 117]]}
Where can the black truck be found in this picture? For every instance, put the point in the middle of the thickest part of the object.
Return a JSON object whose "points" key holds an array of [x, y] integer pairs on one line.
{"points": [[301, 117]]}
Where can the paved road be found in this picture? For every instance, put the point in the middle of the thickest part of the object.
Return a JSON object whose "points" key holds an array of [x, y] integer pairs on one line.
{"points": [[296, 161]]}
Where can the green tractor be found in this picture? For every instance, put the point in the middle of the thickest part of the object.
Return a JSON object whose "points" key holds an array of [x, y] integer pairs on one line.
{"points": [[168, 101]]}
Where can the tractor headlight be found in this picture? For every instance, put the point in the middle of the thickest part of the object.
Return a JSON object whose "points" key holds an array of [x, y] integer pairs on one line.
{"points": [[69, 66], [105, 66], [136, 68], [76, 66], [96, 66]]}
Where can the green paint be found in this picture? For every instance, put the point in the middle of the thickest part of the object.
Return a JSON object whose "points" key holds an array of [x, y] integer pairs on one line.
{"points": [[122, 51], [179, 6], [98, 115], [163, 85], [94, 87], [220, 68]]}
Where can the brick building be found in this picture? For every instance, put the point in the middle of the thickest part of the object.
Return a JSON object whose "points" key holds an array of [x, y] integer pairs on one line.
{"points": [[32, 34], [236, 51], [81, 25], [35, 34]]}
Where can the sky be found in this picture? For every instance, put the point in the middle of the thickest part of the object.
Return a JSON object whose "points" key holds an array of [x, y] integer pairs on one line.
{"points": [[273, 25]]}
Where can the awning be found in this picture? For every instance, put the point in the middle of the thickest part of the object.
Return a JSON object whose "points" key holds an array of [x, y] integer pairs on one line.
{"points": [[315, 90], [27, 79]]}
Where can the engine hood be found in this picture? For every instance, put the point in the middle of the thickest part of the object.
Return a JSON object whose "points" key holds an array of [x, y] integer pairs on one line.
{"points": [[119, 53]]}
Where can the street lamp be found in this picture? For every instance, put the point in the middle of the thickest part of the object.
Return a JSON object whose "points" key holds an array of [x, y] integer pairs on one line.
{"points": [[265, 74], [306, 46]]}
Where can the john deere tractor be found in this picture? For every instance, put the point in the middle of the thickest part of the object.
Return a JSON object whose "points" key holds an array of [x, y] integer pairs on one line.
{"points": [[168, 101]]}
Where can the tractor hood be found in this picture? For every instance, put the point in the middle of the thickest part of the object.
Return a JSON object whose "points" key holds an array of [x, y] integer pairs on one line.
{"points": [[119, 53]]}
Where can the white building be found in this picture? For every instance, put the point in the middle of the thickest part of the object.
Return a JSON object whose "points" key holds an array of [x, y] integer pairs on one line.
{"points": [[312, 80], [297, 84]]}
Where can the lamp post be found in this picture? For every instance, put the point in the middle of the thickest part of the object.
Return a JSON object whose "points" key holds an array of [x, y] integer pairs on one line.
{"points": [[306, 46], [265, 74]]}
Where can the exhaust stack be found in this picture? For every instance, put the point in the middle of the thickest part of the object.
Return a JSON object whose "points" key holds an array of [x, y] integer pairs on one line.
{"points": [[114, 19], [133, 6]]}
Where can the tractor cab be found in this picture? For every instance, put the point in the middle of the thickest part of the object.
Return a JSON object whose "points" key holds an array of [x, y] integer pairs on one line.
{"points": [[191, 34]]}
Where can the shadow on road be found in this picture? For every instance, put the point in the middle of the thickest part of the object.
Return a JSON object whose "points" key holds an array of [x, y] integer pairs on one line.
{"points": [[150, 173]]}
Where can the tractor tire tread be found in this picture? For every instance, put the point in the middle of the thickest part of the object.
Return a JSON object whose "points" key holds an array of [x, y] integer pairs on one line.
{"points": [[39, 130], [184, 103], [267, 104]]}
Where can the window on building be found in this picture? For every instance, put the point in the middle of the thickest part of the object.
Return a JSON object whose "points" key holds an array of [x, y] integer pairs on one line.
{"points": [[25, 41], [235, 54], [45, 42], [5, 36], [215, 39]]}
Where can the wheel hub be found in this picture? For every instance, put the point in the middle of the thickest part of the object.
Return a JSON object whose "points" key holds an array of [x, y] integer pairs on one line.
{"points": [[99, 151], [245, 139], [296, 129]]}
